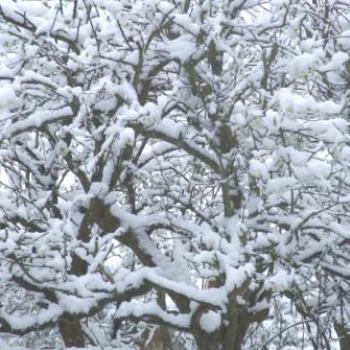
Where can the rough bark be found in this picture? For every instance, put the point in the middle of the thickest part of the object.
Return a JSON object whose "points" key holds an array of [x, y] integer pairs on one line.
{"points": [[71, 331], [70, 325], [343, 336], [208, 343]]}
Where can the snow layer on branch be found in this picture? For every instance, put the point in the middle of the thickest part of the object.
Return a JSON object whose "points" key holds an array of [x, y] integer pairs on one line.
{"points": [[77, 305], [137, 309], [4, 346], [344, 40], [258, 169], [181, 48], [33, 7], [293, 103], [8, 97], [280, 281], [23, 322], [337, 62], [304, 62], [36, 120]]}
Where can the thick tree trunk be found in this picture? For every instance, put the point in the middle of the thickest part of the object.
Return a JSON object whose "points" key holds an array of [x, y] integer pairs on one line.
{"points": [[343, 335], [221, 341], [208, 343], [158, 340], [71, 331], [69, 325]]}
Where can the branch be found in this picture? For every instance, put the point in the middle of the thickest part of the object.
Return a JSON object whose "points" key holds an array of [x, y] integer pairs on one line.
{"points": [[25, 24], [189, 146]]}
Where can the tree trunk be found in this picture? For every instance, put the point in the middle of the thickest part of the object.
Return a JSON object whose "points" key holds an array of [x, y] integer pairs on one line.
{"points": [[71, 331], [343, 335], [208, 343], [213, 344], [69, 325], [228, 338]]}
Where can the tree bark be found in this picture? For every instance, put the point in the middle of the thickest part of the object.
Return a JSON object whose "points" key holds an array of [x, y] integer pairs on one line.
{"points": [[69, 325], [343, 335], [71, 331], [208, 343]]}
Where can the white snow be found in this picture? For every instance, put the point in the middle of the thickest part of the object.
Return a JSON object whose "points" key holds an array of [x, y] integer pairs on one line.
{"points": [[304, 62], [258, 169], [210, 321], [8, 97]]}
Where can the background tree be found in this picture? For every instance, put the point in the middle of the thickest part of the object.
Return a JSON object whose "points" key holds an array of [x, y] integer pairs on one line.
{"points": [[178, 164]]}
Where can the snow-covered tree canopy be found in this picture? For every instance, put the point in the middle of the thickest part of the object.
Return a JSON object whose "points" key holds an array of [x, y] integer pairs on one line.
{"points": [[175, 174]]}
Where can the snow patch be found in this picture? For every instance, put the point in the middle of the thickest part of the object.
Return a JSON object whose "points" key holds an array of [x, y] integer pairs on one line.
{"points": [[210, 321]]}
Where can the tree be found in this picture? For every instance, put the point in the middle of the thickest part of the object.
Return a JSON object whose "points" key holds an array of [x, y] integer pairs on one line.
{"points": [[179, 164]]}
